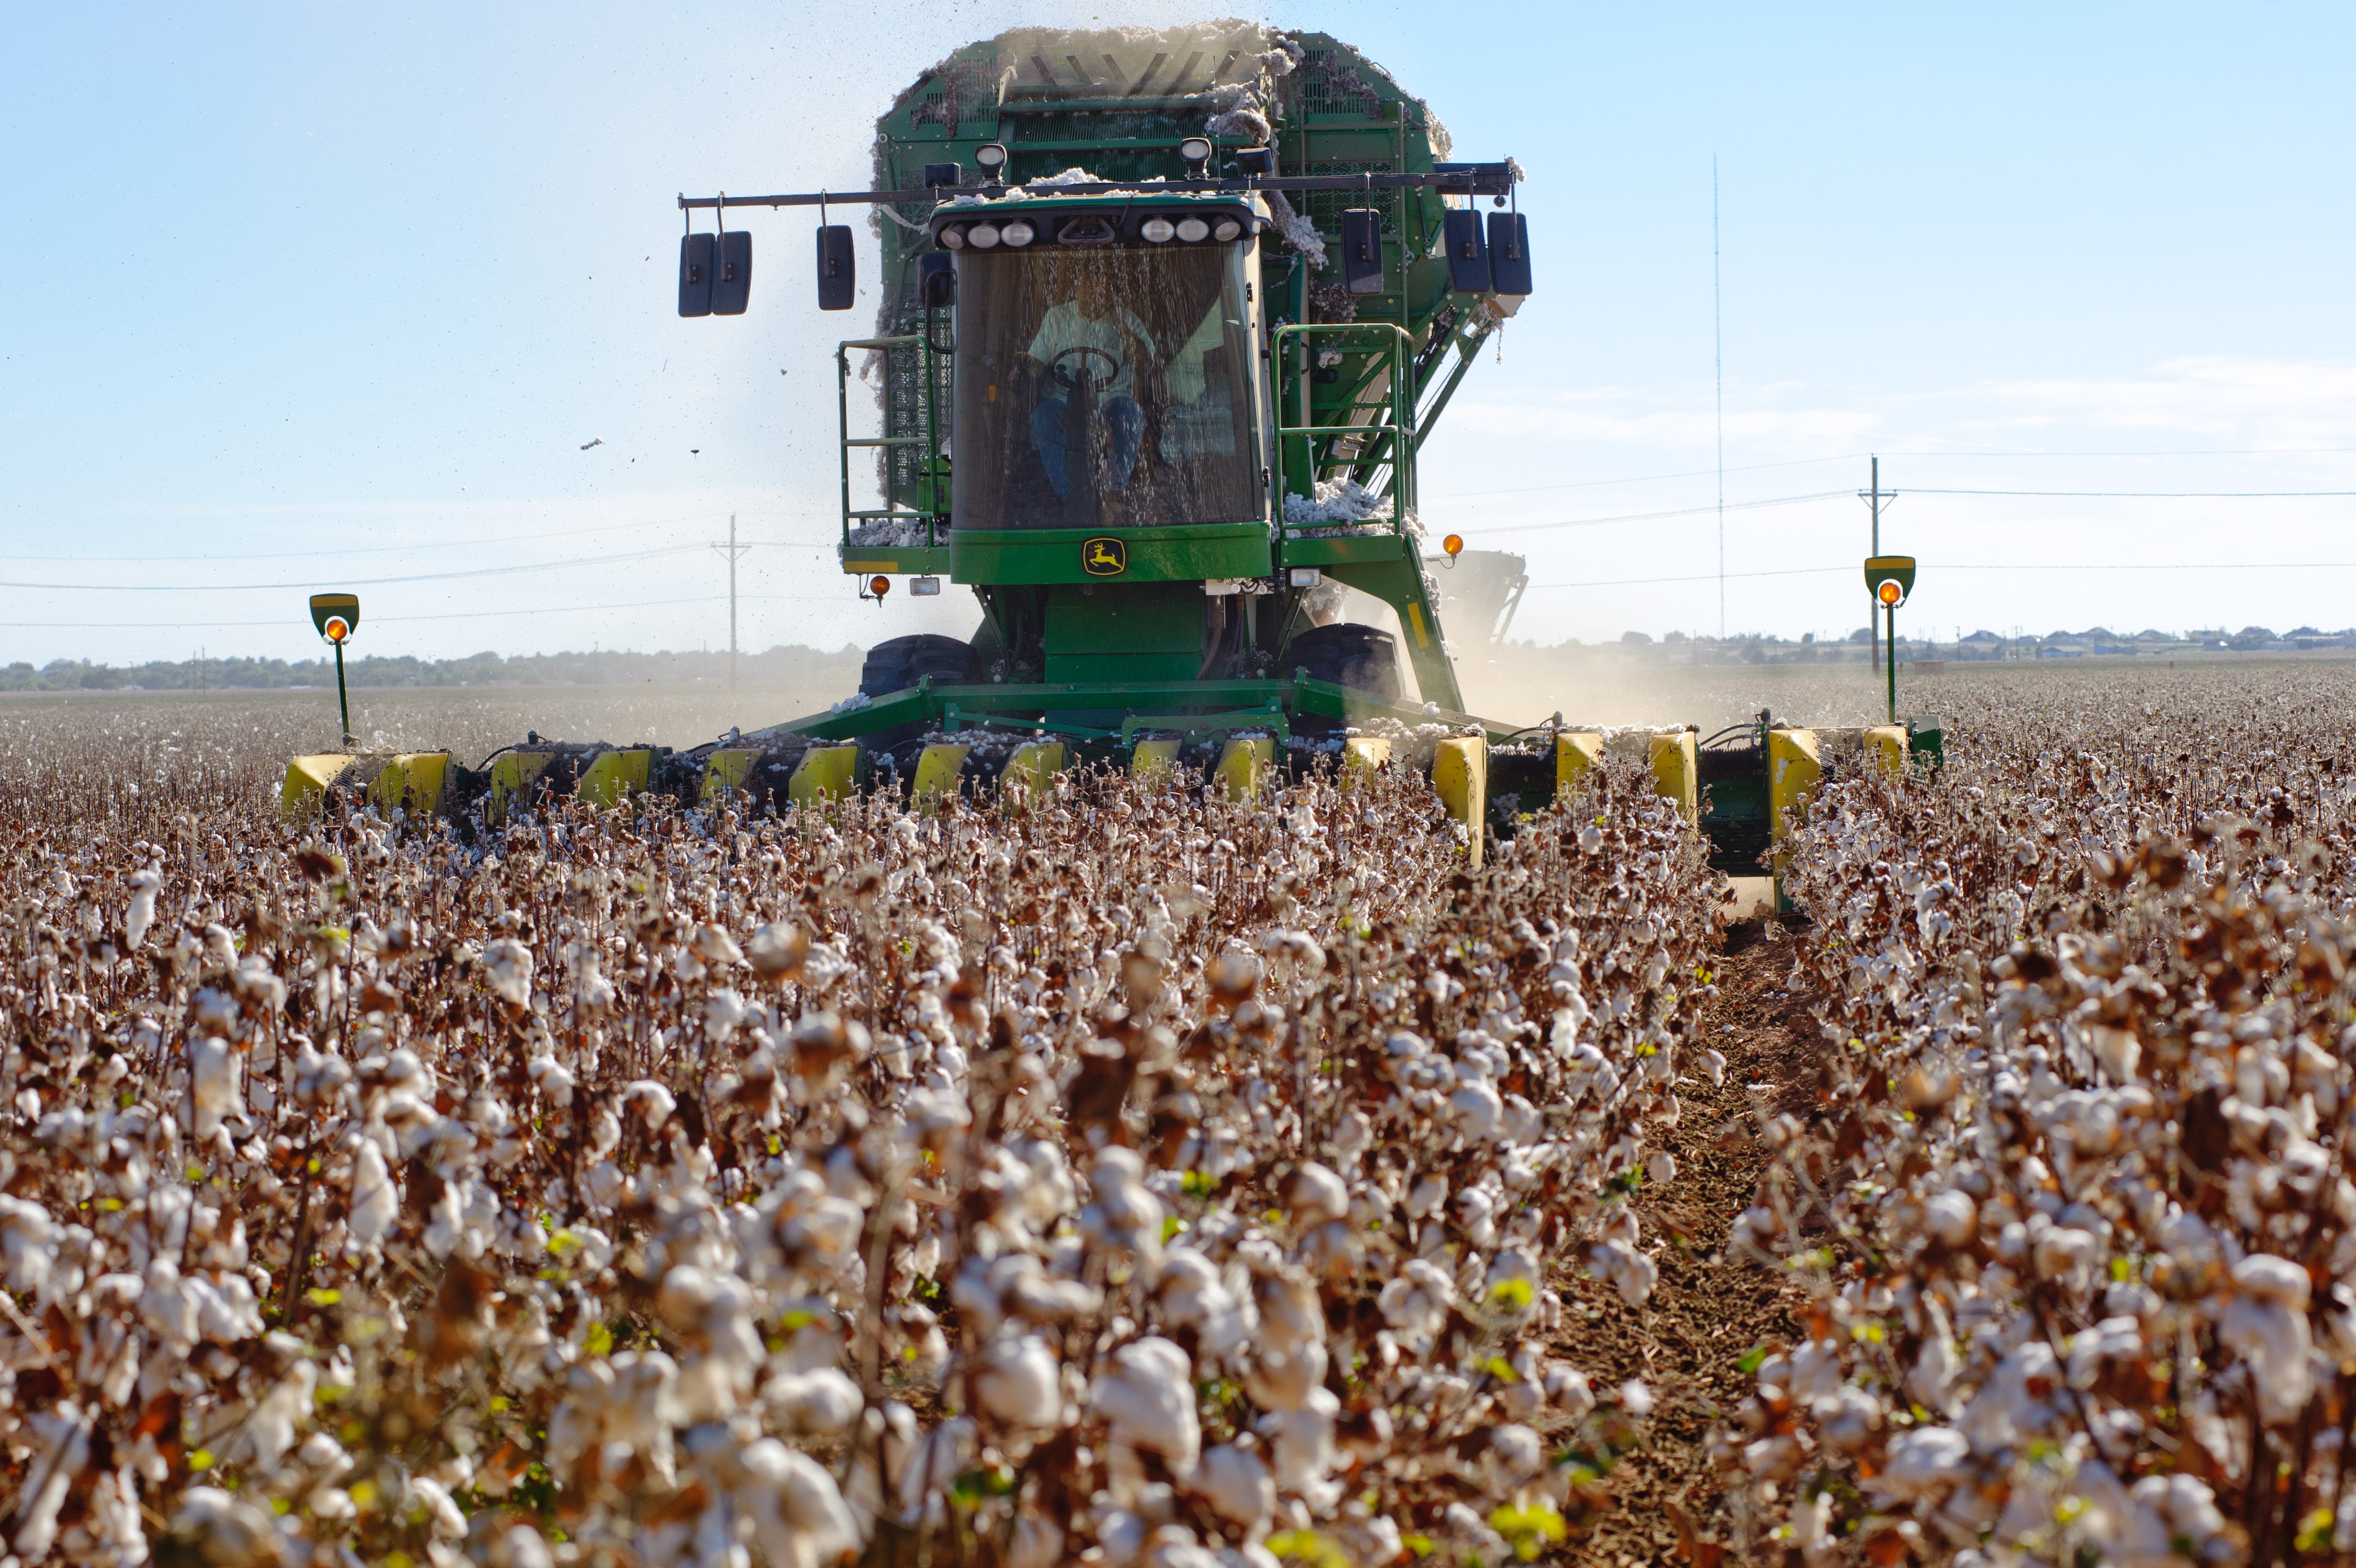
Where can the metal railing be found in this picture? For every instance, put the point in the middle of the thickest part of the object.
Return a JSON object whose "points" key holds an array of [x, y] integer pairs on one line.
{"points": [[932, 484], [1392, 442]]}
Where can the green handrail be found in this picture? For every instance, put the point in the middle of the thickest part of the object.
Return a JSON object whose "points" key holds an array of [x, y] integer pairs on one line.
{"points": [[1399, 434], [930, 440]]}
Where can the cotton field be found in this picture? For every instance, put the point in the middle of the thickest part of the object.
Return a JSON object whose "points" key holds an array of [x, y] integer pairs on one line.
{"points": [[1112, 1175], [1118, 1175]]}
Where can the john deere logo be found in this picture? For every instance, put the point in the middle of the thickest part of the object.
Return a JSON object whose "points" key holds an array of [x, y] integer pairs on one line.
{"points": [[1104, 557]]}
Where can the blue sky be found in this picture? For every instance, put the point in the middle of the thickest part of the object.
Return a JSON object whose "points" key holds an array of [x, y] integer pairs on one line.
{"points": [[289, 280]]}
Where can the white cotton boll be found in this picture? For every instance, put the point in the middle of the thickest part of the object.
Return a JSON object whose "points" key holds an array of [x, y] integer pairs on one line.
{"points": [[2269, 1278], [1317, 1195], [1567, 1390], [1847, 1421], [722, 1011], [1021, 1383], [1477, 1108], [820, 1402], [2272, 1339], [449, 1523], [1713, 1065], [508, 964], [1415, 1303], [1815, 1370], [375, 1203], [1951, 1217], [1238, 1485], [63, 1448], [1426, 1197], [1302, 1444], [1635, 1398], [140, 915], [2066, 1254], [1661, 1169], [653, 1102], [1628, 1271], [1278, 1380], [215, 1079], [27, 1241], [223, 1529], [1148, 1398], [1921, 1464], [553, 1079]]}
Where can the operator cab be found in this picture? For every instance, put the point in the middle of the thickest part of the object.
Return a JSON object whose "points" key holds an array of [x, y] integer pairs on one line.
{"points": [[1105, 373]]}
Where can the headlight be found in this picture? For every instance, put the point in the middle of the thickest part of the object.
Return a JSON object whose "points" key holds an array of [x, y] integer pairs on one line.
{"points": [[1017, 233], [1195, 149], [1191, 230], [983, 235], [1157, 229], [1227, 229], [953, 237]]}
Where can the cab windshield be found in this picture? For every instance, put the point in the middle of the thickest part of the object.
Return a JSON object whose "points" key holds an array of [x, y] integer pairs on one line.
{"points": [[1103, 387]]}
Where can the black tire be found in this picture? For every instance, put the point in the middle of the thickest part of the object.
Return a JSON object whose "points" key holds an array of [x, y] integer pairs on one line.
{"points": [[897, 663], [1346, 654]]}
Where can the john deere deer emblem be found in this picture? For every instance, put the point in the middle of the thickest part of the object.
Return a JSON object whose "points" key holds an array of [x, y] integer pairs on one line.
{"points": [[1103, 557]]}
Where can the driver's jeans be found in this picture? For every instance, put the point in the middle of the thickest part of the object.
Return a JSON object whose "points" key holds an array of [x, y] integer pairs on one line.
{"points": [[1123, 420]]}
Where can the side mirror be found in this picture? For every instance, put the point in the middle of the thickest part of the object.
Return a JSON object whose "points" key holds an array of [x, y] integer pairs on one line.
{"points": [[1509, 253], [837, 273], [936, 280], [695, 253], [731, 280], [1468, 257], [1362, 251]]}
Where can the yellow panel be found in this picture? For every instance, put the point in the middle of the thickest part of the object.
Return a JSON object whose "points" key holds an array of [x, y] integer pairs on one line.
{"points": [[1889, 740], [863, 568], [1363, 756], [412, 781], [1242, 761], [512, 774], [1035, 764], [307, 779], [1460, 772], [825, 773], [1676, 772], [1153, 759], [1577, 752], [1415, 619], [726, 769], [937, 772], [1793, 767], [612, 774]]}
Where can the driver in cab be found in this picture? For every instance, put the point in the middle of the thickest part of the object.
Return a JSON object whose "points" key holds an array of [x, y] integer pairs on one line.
{"points": [[1094, 335]]}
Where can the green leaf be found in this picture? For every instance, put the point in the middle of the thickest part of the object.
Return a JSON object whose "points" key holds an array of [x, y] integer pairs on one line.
{"points": [[601, 1339], [1753, 1359]]}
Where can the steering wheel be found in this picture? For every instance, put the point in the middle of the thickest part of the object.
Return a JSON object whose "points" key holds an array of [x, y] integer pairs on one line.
{"points": [[1071, 378]]}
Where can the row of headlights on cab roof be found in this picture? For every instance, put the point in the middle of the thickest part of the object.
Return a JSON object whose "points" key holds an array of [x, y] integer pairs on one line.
{"points": [[1158, 231]]}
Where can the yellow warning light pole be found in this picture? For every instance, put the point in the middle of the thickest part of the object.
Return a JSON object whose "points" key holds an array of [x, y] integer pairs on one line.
{"points": [[1890, 579], [337, 616]]}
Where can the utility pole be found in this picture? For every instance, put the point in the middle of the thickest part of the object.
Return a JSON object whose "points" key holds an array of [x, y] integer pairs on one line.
{"points": [[1878, 497], [731, 550]]}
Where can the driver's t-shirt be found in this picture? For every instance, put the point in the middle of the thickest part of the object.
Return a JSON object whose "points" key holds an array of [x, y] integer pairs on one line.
{"points": [[1063, 329]]}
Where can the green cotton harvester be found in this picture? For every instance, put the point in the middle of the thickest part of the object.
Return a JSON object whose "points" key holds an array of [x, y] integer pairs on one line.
{"points": [[1167, 319]]}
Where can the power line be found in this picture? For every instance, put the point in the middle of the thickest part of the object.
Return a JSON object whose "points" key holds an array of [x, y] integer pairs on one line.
{"points": [[1997, 567], [390, 620], [363, 583], [1651, 516], [2150, 495]]}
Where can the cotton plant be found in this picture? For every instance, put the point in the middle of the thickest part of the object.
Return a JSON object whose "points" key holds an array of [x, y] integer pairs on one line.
{"points": [[1115, 1174], [2072, 1218]]}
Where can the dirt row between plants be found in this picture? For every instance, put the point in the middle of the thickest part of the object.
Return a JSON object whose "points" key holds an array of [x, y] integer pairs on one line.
{"points": [[1708, 1310]]}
